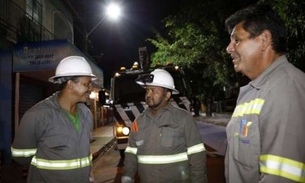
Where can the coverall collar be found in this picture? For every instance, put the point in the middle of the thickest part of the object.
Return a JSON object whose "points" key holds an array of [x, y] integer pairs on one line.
{"points": [[257, 83], [160, 111]]}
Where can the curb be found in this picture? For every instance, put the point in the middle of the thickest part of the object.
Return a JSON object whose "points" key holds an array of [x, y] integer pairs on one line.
{"points": [[214, 120], [104, 149]]}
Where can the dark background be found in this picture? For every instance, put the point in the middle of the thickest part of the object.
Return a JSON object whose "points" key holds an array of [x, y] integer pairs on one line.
{"points": [[115, 44]]}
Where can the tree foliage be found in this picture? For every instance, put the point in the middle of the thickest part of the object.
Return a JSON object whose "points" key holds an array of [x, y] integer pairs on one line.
{"points": [[196, 39], [293, 14]]}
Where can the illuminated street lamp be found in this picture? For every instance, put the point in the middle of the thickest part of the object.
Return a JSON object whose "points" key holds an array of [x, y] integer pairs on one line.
{"points": [[113, 12]]}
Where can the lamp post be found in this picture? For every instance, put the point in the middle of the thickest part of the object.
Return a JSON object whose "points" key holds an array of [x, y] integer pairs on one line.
{"points": [[113, 12]]}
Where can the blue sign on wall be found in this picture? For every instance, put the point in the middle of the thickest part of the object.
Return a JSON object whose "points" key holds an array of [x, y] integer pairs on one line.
{"points": [[45, 55], [34, 56]]}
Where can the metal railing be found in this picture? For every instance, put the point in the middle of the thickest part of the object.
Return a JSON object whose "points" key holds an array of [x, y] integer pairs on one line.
{"points": [[20, 24]]}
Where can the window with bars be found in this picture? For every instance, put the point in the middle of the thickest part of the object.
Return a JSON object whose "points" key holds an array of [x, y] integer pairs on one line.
{"points": [[34, 10]]}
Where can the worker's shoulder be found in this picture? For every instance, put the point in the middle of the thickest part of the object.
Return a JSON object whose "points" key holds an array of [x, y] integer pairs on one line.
{"points": [[180, 114], [286, 77], [295, 74], [179, 110], [288, 71], [44, 106]]}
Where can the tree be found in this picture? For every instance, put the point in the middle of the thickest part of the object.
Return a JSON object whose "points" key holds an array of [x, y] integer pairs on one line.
{"points": [[196, 40], [293, 14]]}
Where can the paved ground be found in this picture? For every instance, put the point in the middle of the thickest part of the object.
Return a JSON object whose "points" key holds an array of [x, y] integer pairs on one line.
{"points": [[216, 119], [215, 163], [213, 136], [102, 139], [12, 173], [215, 167]]}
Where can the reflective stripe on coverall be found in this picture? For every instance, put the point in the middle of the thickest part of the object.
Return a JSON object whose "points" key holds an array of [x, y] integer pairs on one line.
{"points": [[48, 143], [266, 132], [165, 159], [52, 164], [165, 148]]}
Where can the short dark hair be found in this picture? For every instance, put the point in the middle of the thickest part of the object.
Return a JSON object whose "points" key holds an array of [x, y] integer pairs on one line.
{"points": [[65, 81], [256, 19]]}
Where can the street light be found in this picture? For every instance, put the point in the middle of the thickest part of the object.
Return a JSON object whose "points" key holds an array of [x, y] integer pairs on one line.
{"points": [[113, 12]]}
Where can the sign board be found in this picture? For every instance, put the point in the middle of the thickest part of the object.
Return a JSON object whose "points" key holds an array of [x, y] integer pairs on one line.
{"points": [[46, 55]]}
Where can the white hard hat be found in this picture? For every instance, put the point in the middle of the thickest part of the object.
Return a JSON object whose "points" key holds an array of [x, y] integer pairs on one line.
{"points": [[72, 66], [158, 77]]}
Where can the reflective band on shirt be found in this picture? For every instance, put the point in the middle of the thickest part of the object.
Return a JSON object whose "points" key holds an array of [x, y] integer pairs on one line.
{"points": [[23, 152], [282, 167], [131, 150], [162, 159], [195, 149], [253, 107], [61, 164]]}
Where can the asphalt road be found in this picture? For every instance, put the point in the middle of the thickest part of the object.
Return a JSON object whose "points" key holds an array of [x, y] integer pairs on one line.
{"points": [[213, 136]]}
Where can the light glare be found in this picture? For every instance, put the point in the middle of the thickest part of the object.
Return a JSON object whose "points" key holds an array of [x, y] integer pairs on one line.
{"points": [[113, 11], [125, 131]]}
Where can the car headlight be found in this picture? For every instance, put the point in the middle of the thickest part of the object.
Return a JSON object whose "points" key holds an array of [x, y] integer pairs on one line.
{"points": [[123, 130]]}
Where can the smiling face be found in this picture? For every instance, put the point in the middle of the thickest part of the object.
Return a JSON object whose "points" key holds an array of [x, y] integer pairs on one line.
{"points": [[246, 52], [82, 88]]}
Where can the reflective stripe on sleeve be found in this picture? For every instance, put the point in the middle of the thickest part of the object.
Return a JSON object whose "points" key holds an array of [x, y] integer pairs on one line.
{"points": [[195, 149], [162, 159], [23, 152], [282, 167], [61, 164], [131, 150]]}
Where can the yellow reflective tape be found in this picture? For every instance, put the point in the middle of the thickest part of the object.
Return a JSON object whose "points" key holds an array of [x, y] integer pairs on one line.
{"points": [[257, 106], [131, 150], [62, 164], [282, 167], [195, 149], [252, 107], [23, 152], [162, 159]]}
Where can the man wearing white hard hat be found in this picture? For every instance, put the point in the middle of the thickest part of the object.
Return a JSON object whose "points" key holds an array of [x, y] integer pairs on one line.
{"points": [[164, 144], [53, 139]]}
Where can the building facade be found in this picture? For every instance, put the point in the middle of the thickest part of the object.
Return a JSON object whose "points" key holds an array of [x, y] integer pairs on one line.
{"points": [[34, 36]]}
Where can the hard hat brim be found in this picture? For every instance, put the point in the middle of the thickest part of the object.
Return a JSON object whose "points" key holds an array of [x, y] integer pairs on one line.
{"points": [[53, 78], [174, 91]]}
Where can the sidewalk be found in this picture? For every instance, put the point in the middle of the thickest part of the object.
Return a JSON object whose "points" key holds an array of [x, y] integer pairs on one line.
{"points": [[103, 140], [221, 119]]}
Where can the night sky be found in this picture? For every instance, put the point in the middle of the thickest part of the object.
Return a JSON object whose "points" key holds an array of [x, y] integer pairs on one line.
{"points": [[118, 42]]}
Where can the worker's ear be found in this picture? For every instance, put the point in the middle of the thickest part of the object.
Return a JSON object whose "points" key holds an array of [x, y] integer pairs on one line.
{"points": [[168, 94], [70, 84], [266, 38]]}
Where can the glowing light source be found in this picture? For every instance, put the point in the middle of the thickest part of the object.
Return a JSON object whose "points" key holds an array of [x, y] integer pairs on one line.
{"points": [[93, 95], [113, 11], [124, 130]]}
